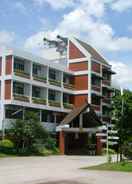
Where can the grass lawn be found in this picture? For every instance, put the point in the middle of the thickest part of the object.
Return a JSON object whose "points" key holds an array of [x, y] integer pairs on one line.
{"points": [[2, 155], [123, 167]]}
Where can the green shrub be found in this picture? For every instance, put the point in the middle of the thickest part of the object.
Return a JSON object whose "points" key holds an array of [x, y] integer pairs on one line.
{"points": [[6, 143], [45, 148], [46, 152], [111, 151], [6, 146], [50, 143], [25, 152], [127, 150]]}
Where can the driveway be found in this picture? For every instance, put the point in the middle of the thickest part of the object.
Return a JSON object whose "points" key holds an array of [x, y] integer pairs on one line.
{"points": [[57, 170]]}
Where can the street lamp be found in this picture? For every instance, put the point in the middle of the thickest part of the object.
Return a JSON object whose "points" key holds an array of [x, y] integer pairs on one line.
{"points": [[3, 121]]}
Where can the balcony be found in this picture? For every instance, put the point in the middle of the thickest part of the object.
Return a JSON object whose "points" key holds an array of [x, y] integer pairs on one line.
{"points": [[68, 105], [106, 100], [22, 67], [21, 91], [106, 82], [96, 88], [39, 100], [55, 77], [55, 82], [39, 78], [21, 73], [21, 97], [106, 118], [96, 107], [96, 83], [68, 86], [39, 72], [54, 103]]}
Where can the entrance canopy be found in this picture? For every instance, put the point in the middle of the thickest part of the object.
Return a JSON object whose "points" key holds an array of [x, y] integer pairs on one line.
{"points": [[82, 117]]}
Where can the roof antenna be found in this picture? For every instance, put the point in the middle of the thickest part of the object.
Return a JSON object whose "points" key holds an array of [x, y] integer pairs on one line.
{"points": [[60, 44]]}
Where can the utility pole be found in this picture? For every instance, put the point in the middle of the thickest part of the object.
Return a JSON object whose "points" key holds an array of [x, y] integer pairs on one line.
{"points": [[107, 142], [121, 126]]}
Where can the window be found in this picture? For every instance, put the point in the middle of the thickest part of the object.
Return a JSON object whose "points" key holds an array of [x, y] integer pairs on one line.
{"points": [[18, 88], [18, 65], [47, 116], [52, 74], [106, 111], [36, 91], [36, 69], [106, 76], [66, 98], [96, 100], [96, 81], [44, 116], [51, 95]]}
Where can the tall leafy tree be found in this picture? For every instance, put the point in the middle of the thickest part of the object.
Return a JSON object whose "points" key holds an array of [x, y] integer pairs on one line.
{"points": [[27, 132], [122, 115]]}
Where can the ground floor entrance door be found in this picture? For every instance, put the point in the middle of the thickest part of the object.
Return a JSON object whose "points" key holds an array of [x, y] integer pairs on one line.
{"points": [[79, 144]]}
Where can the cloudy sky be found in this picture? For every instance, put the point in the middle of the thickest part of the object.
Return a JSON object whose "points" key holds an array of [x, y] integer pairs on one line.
{"points": [[106, 24]]}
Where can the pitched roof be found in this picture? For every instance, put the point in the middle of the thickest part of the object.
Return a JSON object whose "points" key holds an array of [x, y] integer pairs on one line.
{"points": [[77, 111], [95, 55]]}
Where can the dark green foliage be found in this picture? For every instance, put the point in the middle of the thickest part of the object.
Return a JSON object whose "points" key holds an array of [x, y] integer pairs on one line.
{"points": [[123, 117], [123, 121], [127, 148], [30, 137]]}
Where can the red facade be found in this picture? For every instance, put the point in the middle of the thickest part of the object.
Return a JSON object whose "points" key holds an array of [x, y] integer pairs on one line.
{"points": [[80, 66], [96, 67], [74, 52], [8, 69], [8, 89], [81, 82]]}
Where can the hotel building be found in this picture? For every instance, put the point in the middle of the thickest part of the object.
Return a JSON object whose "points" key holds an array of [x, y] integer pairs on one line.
{"points": [[54, 87]]}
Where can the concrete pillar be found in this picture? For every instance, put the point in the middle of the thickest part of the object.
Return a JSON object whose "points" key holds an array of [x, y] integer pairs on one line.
{"points": [[98, 145], [81, 121], [62, 142]]}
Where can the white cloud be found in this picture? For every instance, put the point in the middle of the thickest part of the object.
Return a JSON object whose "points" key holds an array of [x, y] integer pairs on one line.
{"points": [[74, 23], [56, 4], [6, 38], [85, 21], [121, 5], [123, 74]]}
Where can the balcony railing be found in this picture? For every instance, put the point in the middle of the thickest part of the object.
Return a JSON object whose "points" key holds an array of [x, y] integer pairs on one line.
{"points": [[21, 97], [68, 105], [39, 78], [96, 88], [96, 107], [68, 86], [106, 118], [39, 100], [106, 100], [106, 82], [55, 82], [54, 103], [22, 73]]}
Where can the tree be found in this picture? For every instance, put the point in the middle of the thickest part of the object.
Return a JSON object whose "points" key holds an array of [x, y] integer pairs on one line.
{"points": [[27, 132], [122, 116]]}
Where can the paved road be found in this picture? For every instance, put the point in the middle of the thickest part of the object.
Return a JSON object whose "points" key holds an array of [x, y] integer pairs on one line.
{"points": [[57, 170]]}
